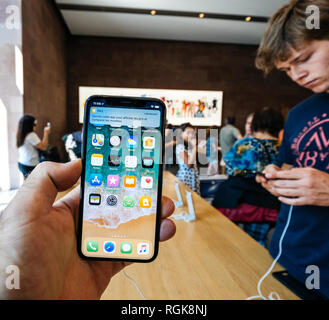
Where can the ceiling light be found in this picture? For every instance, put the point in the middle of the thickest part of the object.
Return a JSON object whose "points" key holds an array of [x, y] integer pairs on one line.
{"points": [[248, 19], [153, 12], [201, 15]]}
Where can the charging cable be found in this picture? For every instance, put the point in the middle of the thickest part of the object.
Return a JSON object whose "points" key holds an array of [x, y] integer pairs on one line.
{"points": [[273, 295], [134, 283]]}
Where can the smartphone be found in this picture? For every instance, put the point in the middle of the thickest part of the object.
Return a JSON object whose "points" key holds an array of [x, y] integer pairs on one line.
{"points": [[121, 181], [261, 174], [248, 173]]}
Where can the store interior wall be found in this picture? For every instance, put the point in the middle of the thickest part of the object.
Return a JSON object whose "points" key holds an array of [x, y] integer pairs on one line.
{"points": [[137, 63], [45, 41]]}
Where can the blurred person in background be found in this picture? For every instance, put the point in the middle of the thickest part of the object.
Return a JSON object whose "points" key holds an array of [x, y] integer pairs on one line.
{"points": [[28, 144], [228, 135], [73, 144], [248, 131], [170, 144], [186, 152], [212, 150], [240, 197]]}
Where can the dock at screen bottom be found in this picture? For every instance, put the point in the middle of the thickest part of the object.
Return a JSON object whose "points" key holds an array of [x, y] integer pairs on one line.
{"points": [[118, 248]]}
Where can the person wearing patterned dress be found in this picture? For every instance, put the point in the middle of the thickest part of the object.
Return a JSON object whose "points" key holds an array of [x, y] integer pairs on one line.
{"points": [[186, 151]]}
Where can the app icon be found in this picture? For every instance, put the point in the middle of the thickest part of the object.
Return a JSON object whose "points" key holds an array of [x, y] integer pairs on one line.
{"points": [[95, 180], [128, 201], [92, 246], [129, 181], [98, 140], [115, 141], [112, 200], [143, 248], [126, 247], [114, 160], [93, 110], [131, 161], [95, 199], [97, 160], [109, 246], [113, 180], [147, 182], [132, 142], [145, 202], [149, 142], [148, 162]]}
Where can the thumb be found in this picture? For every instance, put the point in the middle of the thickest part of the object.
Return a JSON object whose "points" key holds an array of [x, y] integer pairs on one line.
{"points": [[271, 170], [38, 193]]}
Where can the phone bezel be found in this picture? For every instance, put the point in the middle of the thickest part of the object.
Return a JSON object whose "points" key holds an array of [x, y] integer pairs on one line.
{"points": [[124, 102]]}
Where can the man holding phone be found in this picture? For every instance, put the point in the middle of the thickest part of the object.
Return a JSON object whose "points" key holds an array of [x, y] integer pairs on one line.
{"points": [[38, 236], [302, 179]]}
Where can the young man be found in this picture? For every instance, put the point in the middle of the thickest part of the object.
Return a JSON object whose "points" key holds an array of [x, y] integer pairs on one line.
{"points": [[302, 180]]}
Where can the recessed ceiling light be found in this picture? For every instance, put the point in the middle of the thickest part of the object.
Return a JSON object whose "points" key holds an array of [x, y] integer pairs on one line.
{"points": [[248, 19], [153, 12], [201, 15]]}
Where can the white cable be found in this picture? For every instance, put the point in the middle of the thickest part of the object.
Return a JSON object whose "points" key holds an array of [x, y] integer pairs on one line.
{"points": [[134, 283], [272, 294]]}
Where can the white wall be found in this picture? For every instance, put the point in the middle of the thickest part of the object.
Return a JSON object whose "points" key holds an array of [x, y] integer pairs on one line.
{"points": [[11, 90]]}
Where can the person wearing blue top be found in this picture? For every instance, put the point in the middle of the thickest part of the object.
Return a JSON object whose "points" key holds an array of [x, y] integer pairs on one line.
{"points": [[301, 178], [240, 197]]}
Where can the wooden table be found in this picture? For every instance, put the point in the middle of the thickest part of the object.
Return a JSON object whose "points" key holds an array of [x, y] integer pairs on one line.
{"points": [[210, 258]]}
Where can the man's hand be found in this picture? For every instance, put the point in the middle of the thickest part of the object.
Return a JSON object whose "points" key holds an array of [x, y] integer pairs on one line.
{"points": [[39, 236], [300, 186]]}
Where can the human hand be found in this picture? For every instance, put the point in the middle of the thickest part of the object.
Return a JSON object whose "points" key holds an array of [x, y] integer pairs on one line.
{"points": [[193, 142], [39, 236], [47, 129], [264, 180], [301, 186]]}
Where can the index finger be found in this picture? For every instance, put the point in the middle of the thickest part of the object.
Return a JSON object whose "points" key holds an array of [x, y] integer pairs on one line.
{"points": [[293, 174], [167, 206]]}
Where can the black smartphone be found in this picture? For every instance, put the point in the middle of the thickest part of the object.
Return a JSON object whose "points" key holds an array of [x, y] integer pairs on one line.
{"points": [[260, 174], [248, 173], [121, 181]]}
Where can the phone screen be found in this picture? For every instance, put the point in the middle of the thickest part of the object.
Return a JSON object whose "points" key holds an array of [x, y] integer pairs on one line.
{"points": [[122, 178]]}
